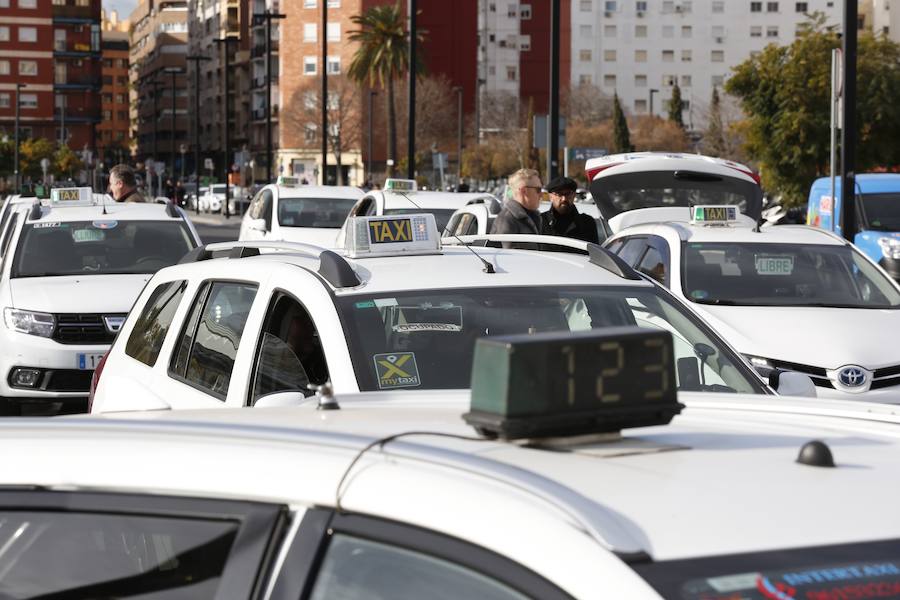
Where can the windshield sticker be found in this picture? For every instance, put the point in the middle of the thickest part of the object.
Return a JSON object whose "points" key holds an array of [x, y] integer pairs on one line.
{"points": [[88, 235], [860, 580], [46, 225], [367, 304], [396, 370], [382, 302], [699, 294], [408, 327], [105, 224], [774, 265]]}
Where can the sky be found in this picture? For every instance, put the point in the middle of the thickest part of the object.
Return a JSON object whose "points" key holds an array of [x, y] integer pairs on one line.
{"points": [[123, 6]]}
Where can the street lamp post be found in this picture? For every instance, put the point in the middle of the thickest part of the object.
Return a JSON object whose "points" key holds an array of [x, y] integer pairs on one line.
{"points": [[459, 134], [268, 16], [652, 91], [19, 87], [411, 129], [371, 118], [226, 130], [553, 125], [173, 71], [197, 59], [325, 97]]}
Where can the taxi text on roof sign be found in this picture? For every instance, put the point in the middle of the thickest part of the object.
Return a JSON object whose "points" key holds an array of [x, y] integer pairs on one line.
{"points": [[392, 235], [714, 215], [400, 185], [82, 196]]}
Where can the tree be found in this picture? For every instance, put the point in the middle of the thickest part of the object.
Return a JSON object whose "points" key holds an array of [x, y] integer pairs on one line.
{"points": [[436, 109], [676, 107], [382, 57], [621, 137], [652, 133], [66, 162], [586, 105], [714, 137], [31, 152], [304, 117], [492, 159], [784, 91]]}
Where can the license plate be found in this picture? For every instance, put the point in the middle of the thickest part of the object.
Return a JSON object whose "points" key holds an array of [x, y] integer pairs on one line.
{"points": [[88, 361]]}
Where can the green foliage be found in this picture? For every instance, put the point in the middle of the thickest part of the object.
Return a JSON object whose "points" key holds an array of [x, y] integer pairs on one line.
{"points": [[784, 91], [714, 137], [65, 162], [31, 152], [676, 106], [621, 137], [7, 153]]}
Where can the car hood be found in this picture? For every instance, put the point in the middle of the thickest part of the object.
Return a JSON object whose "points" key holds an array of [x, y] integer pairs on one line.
{"points": [[77, 293], [318, 236], [820, 337]]}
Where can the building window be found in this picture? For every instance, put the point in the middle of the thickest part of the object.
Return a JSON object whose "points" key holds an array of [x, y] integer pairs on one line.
{"points": [[513, 11], [310, 32], [609, 6], [756, 7], [120, 98], [609, 81], [718, 80], [640, 56], [640, 81], [668, 31], [668, 6], [609, 31], [334, 65], [4, 67], [718, 31], [309, 65], [28, 67], [585, 6], [640, 6], [4, 3], [27, 34], [333, 4], [525, 12], [510, 73], [640, 31], [309, 3], [717, 56], [524, 43], [685, 81], [640, 105], [772, 31], [584, 55], [718, 6], [802, 7], [334, 32], [771, 7], [585, 79], [107, 115], [686, 31], [669, 80], [121, 115], [668, 56], [5, 101], [586, 30], [685, 7], [4, 34], [686, 56], [609, 56], [756, 31], [27, 3], [28, 100]]}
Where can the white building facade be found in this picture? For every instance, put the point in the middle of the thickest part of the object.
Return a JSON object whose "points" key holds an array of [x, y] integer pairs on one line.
{"points": [[640, 48]]}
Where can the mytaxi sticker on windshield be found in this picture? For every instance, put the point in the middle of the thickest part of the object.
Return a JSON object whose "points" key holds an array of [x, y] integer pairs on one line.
{"points": [[396, 370]]}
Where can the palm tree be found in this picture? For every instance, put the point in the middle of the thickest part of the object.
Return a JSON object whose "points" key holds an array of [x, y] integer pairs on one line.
{"points": [[382, 57]]}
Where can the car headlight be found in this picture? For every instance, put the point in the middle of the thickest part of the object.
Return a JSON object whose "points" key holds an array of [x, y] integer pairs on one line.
{"points": [[890, 247], [26, 321], [762, 365]]}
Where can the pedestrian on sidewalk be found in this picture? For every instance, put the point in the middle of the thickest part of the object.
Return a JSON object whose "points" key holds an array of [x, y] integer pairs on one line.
{"points": [[520, 211], [563, 219]]}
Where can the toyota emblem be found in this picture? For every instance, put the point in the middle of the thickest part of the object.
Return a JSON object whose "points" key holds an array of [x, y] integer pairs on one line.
{"points": [[852, 377]]}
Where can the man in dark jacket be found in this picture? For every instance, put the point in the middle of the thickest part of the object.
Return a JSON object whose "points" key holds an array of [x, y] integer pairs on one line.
{"points": [[563, 219], [520, 211]]}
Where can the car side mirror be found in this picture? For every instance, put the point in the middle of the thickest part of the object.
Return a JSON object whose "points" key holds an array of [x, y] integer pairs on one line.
{"points": [[257, 224], [789, 383], [280, 399]]}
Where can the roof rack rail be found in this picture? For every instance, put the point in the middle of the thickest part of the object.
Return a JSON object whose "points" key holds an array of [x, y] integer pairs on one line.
{"points": [[597, 255], [35, 213], [172, 211], [332, 266]]}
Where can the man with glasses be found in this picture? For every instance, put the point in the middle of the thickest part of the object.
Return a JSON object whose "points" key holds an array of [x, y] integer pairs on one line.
{"points": [[563, 219], [520, 209], [123, 185]]}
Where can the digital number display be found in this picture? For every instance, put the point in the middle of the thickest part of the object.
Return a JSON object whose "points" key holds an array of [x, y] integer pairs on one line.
{"points": [[390, 231]]}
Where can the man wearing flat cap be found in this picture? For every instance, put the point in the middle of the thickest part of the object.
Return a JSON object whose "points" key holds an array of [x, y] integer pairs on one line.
{"points": [[563, 219]]}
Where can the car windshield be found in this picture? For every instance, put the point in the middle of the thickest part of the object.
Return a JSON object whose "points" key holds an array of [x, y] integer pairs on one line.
{"points": [[100, 247], [866, 570], [426, 339], [441, 215], [652, 189], [784, 275], [882, 211], [314, 212]]}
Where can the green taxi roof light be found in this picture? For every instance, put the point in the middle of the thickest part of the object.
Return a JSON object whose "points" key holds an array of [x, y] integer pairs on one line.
{"points": [[401, 185], [563, 384], [722, 214]]}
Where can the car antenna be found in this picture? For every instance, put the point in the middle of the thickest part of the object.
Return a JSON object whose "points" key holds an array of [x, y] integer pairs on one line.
{"points": [[488, 267], [103, 203]]}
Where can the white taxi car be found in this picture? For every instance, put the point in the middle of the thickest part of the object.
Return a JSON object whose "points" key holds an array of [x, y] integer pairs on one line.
{"points": [[395, 310], [402, 197], [556, 490], [69, 274], [794, 298], [293, 212]]}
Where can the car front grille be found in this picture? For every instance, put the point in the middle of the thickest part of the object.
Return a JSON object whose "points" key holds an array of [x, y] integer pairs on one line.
{"points": [[882, 378], [83, 329]]}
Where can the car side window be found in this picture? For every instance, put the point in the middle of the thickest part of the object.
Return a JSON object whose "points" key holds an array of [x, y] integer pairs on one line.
{"points": [[210, 340], [451, 225], [616, 245], [150, 330], [358, 568], [654, 265], [290, 354], [266, 211], [468, 225], [633, 250], [256, 206]]}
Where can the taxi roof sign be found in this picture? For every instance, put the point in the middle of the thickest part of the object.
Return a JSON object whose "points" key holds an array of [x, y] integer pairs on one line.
{"points": [[400, 185], [287, 181], [714, 214], [392, 235], [81, 196]]}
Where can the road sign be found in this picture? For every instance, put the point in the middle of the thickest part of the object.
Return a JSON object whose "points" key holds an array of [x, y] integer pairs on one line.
{"points": [[45, 163], [586, 153], [540, 131], [208, 163], [439, 160]]}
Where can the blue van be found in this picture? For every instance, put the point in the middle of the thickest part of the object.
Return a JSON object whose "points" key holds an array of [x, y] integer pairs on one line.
{"points": [[878, 215]]}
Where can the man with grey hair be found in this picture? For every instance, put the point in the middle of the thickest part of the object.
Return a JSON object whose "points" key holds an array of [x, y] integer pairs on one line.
{"points": [[520, 209], [123, 185]]}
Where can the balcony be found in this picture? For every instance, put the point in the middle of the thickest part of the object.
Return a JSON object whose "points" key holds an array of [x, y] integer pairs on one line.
{"points": [[93, 83], [259, 49], [76, 14], [74, 49]]}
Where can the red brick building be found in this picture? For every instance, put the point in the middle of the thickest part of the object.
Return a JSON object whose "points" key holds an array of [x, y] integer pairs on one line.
{"points": [[114, 130]]}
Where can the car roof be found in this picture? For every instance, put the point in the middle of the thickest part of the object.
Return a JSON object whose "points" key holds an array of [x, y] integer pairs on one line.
{"points": [[454, 267], [605, 166], [317, 191], [689, 489], [121, 211], [427, 200], [741, 233]]}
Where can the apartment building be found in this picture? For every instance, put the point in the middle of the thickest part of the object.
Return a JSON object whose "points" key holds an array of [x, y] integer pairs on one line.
{"points": [[641, 48], [114, 129], [157, 74], [53, 51]]}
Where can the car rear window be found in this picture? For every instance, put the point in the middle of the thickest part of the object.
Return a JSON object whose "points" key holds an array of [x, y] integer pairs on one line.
{"points": [[150, 330], [314, 212]]}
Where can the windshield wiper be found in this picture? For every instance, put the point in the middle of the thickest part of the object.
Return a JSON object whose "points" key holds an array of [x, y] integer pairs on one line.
{"points": [[716, 301]]}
